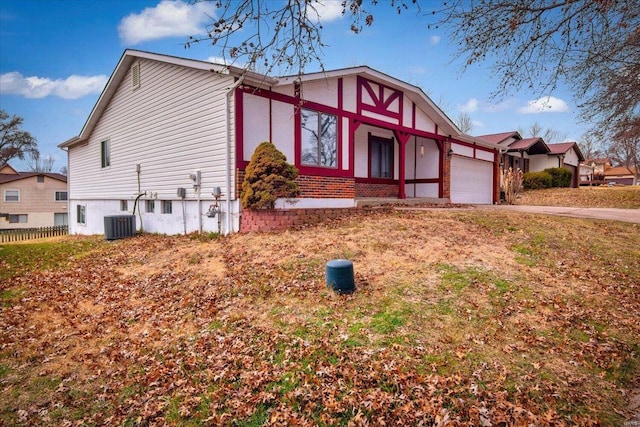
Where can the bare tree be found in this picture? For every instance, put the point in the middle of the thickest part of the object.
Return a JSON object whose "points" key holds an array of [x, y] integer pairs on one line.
{"points": [[591, 146], [38, 163], [464, 122], [591, 45], [625, 150], [536, 130], [594, 46], [14, 142], [268, 35]]}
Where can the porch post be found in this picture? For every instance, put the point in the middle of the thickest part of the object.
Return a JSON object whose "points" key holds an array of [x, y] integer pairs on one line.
{"points": [[403, 138]]}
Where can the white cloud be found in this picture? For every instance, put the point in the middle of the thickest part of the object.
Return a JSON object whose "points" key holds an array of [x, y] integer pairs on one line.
{"points": [[473, 105], [546, 104], [73, 87], [470, 107], [170, 18], [325, 10], [434, 40], [478, 124]]}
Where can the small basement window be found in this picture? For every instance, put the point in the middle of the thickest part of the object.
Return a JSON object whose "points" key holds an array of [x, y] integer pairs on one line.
{"points": [[150, 206], [18, 219], [167, 207], [124, 205]]}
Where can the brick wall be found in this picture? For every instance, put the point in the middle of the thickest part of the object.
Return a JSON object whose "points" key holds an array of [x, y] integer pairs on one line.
{"points": [[279, 220], [326, 187], [367, 189], [446, 173], [315, 187]]}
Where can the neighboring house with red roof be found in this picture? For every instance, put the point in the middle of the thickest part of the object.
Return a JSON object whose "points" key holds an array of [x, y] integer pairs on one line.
{"points": [[620, 175], [516, 152], [32, 199], [533, 154]]}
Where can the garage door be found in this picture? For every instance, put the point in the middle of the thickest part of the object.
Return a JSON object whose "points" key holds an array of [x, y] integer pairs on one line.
{"points": [[471, 181]]}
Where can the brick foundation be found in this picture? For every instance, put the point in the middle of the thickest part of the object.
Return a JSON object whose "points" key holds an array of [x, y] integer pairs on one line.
{"points": [[367, 189], [280, 220]]}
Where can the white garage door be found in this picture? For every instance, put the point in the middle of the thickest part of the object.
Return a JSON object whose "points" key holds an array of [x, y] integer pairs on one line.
{"points": [[471, 181]]}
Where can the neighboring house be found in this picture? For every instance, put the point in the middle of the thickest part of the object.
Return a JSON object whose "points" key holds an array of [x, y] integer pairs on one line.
{"points": [[620, 175], [596, 167], [516, 152], [565, 155], [167, 132], [534, 155], [32, 199]]}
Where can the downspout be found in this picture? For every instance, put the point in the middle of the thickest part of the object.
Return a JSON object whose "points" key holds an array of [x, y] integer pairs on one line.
{"points": [[230, 92]]}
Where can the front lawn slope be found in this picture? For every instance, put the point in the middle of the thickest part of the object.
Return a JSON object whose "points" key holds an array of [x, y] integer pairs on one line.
{"points": [[459, 318]]}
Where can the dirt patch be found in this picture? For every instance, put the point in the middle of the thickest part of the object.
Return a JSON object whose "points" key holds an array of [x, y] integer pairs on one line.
{"points": [[190, 256]]}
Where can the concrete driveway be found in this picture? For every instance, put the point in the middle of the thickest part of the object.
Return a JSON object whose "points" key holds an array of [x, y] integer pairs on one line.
{"points": [[626, 215]]}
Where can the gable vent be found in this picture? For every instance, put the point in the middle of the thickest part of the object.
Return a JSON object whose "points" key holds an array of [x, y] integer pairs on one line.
{"points": [[135, 76]]}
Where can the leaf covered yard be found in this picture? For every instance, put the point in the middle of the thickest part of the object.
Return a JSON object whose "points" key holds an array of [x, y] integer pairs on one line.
{"points": [[459, 318]]}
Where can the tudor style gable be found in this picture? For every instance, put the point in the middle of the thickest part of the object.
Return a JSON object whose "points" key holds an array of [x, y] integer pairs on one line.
{"points": [[378, 101]]}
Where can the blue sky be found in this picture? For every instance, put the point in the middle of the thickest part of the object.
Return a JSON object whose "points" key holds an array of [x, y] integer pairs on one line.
{"points": [[56, 56]]}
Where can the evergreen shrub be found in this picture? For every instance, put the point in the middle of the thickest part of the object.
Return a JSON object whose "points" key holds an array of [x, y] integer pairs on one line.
{"points": [[268, 176]]}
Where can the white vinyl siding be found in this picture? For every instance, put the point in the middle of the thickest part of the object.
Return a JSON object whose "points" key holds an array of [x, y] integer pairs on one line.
{"points": [[171, 125]]}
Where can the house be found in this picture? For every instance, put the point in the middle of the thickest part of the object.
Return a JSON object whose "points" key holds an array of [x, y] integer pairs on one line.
{"points": [[593, 171], [32, 199], [516, 152], [169, 136], [620, 175], [534, 155], [565, 155]]}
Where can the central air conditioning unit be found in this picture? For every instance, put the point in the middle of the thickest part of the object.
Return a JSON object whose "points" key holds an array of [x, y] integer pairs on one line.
{"points": [[119, 226]]}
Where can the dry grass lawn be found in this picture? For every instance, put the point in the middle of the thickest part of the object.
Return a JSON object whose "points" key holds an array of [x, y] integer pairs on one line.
{"points": [[584, 197], [459, 317]]}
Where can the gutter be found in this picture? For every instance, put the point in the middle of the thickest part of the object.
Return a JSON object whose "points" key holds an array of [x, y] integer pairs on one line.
{"points": [[230, 92]]}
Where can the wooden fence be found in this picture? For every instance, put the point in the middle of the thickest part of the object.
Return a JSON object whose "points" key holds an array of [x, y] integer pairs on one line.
{"points": [[17, 234]]}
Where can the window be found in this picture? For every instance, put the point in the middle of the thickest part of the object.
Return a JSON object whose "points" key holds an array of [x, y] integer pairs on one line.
{"points": [[81, 212], [150, 205], [105, 153], [124, 205], [319, 139], [40, 178], [166, 207], [18, 218], [11, 195], [381, 157], [135, 76], [61, 196], [60, 219]]}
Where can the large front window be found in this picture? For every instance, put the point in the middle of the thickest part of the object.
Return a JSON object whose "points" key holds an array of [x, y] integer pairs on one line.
{"points": [[381, 157], [319, 139]]}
